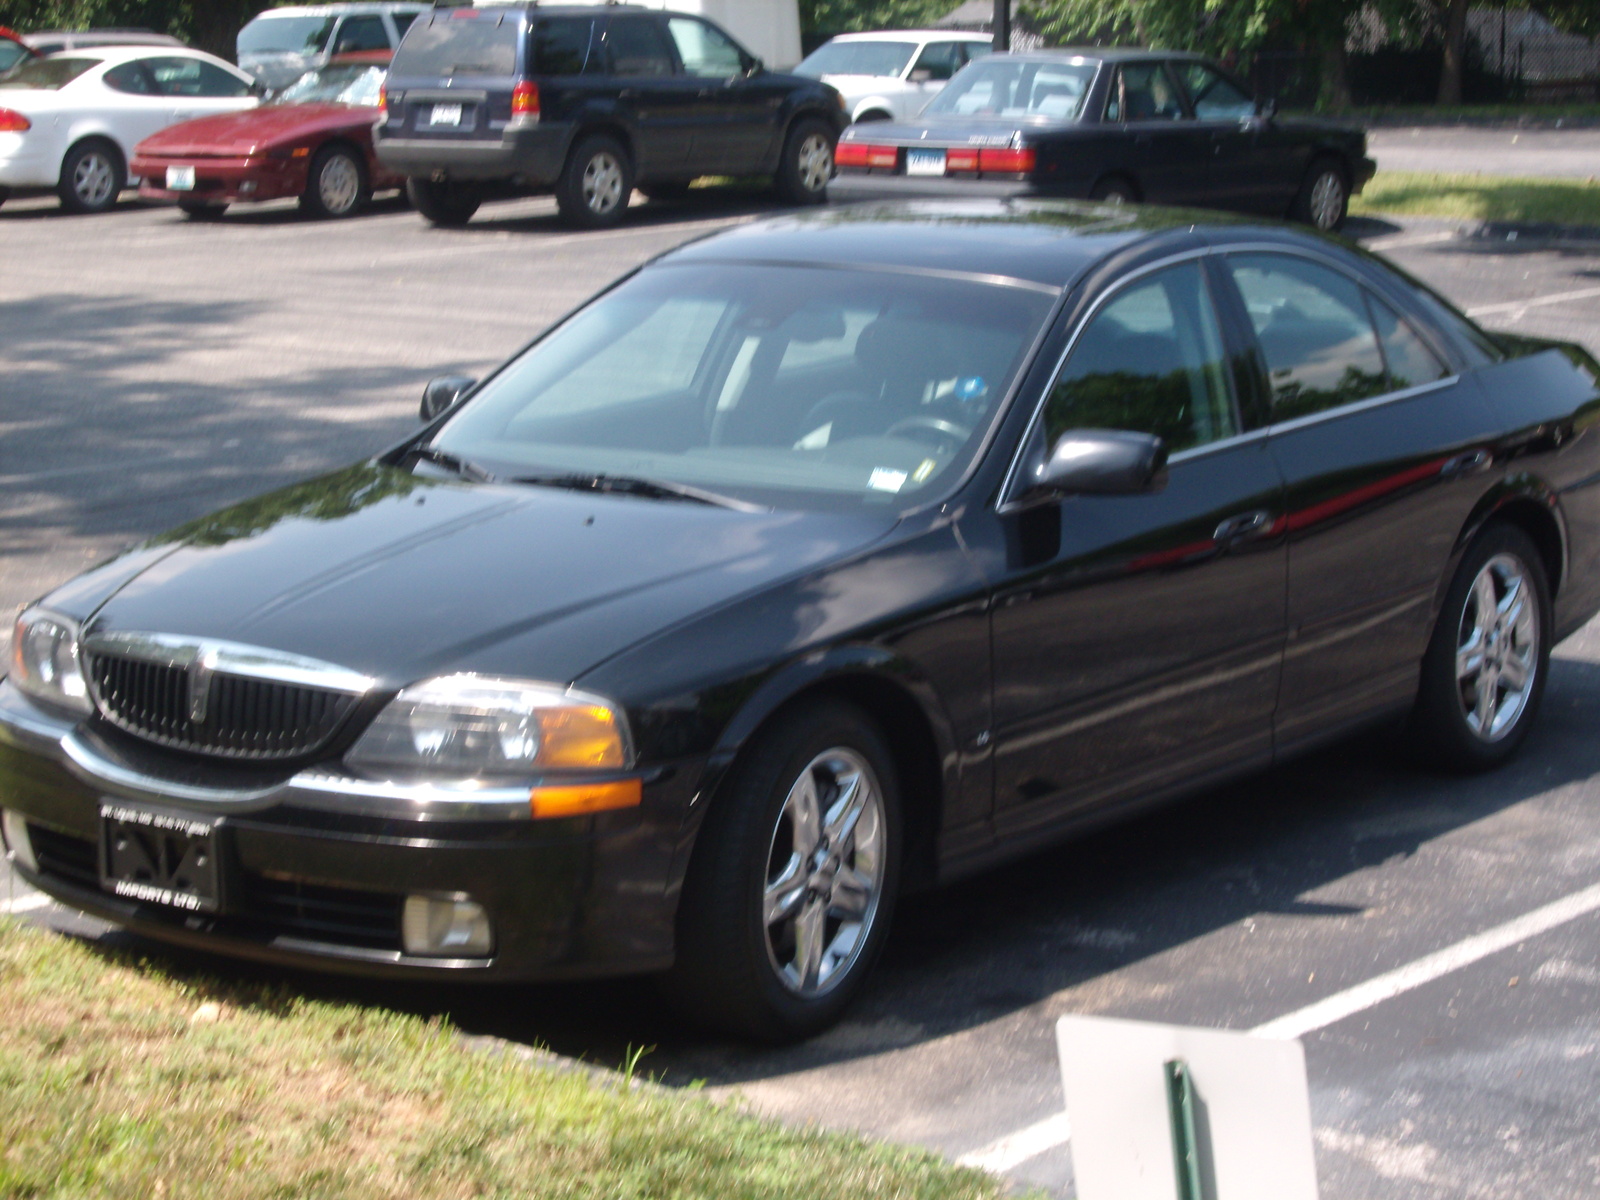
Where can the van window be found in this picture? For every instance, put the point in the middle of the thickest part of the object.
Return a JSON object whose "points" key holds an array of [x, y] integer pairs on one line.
{"points": [[361, 33]]}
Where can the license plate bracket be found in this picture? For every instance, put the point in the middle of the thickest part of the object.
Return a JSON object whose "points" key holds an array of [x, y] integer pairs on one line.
{"points": [[445, 114], [180, 179], [158, 857], [925, 162]]}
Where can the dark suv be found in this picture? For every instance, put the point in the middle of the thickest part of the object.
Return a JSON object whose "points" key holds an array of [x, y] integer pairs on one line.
{"points": [[590, 102]]}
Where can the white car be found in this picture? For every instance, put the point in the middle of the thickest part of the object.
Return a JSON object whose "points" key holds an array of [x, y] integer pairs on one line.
{"points": [[889, 76], [70, 121]]}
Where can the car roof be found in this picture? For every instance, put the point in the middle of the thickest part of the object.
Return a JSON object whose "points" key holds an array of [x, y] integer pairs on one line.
{"points": [[111, 55], [921, 35], [1103, 53], [335, 10], [1041, 241], [88, 39]]}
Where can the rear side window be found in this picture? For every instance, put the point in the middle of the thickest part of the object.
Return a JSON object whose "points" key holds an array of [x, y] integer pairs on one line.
{"points": [[1142, 92], [193, 77], [976, 50], [361, 33], [561, 45], [940, 60], [638, 47], [460, 41], [129, 78], [402, 22], [47, 73]]}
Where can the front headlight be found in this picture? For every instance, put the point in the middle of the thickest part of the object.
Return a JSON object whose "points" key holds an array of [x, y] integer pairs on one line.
{"points": [[44, 660], [468, 725]]}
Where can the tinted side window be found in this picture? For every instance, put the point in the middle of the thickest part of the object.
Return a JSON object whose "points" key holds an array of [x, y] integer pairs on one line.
{"points": [[1314, 331], [972, 50], [561, 45], [940, 59], [638, 46], [361, 33], [1408, 358], [1213, 96], [704, 51], [402, 22], [1142, 92], [192, 77], [130, 78], [1151, 361]]}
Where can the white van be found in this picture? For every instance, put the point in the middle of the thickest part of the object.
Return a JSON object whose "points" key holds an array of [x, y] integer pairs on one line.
{"points": [[889, 76], [769, 29], [281, 44]]}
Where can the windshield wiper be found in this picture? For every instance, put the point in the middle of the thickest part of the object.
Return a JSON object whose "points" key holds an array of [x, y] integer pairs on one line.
{"points": [[630, 485], [451, 462]]}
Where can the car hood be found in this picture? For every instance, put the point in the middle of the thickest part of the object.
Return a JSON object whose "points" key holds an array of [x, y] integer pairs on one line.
{"points": [[241, 133], [400, 577]]}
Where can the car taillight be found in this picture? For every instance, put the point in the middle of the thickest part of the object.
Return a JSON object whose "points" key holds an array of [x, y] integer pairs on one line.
{"points": [[525, 100], [383, 97], [1007, 160], [961, 160], [13, 122], [862, 154]]}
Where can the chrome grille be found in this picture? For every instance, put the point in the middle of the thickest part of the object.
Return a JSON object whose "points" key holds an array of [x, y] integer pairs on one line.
{"points": [[240, 717]]}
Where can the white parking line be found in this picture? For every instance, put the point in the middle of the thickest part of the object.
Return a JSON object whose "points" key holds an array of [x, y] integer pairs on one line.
{"points": [[24, 904], [1014, 1149], [1484, 310], [1401, 240]]}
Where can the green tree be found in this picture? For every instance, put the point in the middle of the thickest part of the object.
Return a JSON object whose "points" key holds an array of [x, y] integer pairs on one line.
{"points": [[208, 24], [849, 16]]}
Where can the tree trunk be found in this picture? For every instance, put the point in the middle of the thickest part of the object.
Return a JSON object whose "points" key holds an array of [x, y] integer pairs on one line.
{"points": [[1455, 52], [1334, 91]]}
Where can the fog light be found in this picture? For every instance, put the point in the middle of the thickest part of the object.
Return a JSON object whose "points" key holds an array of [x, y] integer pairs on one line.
{"points": [[247, 188], [445, 927], [18, 843]]}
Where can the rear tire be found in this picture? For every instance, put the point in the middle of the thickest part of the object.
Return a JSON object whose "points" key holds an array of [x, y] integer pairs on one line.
{"points": [[336, 184], [807, 163], [196, 211], [1324, 197], [1114, 190], [1483, 674], [93, 176], [594, 188], [449, 205], [791, 888]]}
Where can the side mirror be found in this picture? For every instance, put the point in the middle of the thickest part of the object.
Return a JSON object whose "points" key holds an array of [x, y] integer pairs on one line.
{"points": [[442, 393], [1102, 462]]}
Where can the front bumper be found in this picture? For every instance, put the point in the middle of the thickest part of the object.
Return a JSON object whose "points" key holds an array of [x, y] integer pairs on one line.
{"points": [[316, 866], [222, 180], [527, 157]]}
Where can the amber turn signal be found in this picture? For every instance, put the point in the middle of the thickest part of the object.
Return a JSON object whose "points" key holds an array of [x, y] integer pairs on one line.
{"points": [[577, 800]]}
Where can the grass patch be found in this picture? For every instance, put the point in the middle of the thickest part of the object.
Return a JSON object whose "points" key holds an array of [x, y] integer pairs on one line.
{"points": [[119, 1079], [1481, 197]]}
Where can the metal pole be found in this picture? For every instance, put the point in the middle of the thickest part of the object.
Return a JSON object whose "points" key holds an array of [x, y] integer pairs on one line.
{"points": [[1002, 25]]}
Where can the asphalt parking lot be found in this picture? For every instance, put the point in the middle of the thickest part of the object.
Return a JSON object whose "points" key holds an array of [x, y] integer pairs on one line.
{"points": [[152, 369]]}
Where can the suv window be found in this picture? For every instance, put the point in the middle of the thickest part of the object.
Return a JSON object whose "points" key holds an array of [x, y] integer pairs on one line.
{"points": [[705, 51], [1142, 92], [1150, 361], [561, 45], [940, 60], [459, 41], [361, 33], [1214, 97], [130, 77], [1314, 331], [638, 47], [193, 77]]}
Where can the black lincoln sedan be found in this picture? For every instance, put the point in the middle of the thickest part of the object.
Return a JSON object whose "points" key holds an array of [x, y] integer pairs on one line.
{"points": [[819, 559], [1122, 125]]}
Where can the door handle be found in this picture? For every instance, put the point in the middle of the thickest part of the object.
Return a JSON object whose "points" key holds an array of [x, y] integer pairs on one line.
{"points": [[1466, 464], [1244, 526]]}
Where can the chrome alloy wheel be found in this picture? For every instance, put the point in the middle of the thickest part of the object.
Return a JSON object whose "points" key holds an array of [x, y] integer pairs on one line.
{"points": [[1497, 648], [602, 183], [94, 179], [339, 184], [814, 162], [825, 871], [1327, 200]]}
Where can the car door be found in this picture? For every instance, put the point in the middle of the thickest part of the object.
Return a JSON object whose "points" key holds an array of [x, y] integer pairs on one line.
{"points": [[660, 103], [1375, 436], [196, 88], [1251, 166], [1137, 638], [736, 113], [136, 108], [1154, 137]]}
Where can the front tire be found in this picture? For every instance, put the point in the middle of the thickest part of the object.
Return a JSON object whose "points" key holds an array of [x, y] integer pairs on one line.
{"points": [[791, 888], [449, 205], [1324, 197], [336, 185], [593, 190], [92, 177], [1484, 672], [807, 163]]}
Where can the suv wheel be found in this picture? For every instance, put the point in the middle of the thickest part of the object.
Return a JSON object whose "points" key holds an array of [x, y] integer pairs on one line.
{"points": [[807, 163], [443, 203], [593, 191], [92, 177]]}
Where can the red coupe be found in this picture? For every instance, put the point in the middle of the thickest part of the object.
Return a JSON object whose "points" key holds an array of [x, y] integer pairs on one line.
{"points": [[313, 141]]}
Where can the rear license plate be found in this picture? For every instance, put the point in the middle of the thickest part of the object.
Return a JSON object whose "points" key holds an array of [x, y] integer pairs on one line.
{"points": [[924, 162], [445, 114], [159, 858], [180, 179]]}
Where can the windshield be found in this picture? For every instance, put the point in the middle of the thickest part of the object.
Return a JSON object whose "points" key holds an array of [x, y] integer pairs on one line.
{"points": [[285, 35], [1012, 88], [49, 74], [348, 83], [783, 386], [857, 58]]}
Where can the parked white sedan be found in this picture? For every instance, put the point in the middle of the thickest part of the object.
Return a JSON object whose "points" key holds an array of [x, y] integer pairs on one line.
{"points": [[70, 121], [889, 76]]}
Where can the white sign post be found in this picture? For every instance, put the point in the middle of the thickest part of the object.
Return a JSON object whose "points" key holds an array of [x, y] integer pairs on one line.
{"points": [[1163, 1112]]}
